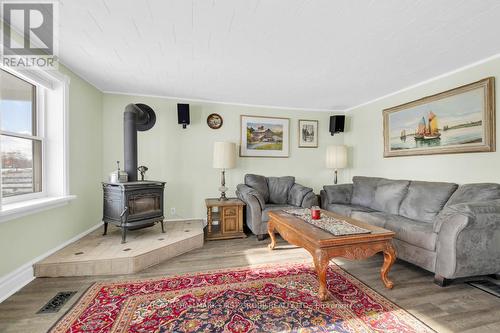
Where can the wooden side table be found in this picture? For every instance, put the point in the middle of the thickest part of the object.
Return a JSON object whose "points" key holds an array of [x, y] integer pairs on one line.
{"points": [[229, 214]]}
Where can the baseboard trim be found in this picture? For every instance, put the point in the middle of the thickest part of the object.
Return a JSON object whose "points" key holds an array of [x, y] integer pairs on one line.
{"points": [[15, 280], [202, 219]]}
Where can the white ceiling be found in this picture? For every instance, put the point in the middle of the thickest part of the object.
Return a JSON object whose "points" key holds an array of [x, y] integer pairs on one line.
{"points": [[321, 54]]}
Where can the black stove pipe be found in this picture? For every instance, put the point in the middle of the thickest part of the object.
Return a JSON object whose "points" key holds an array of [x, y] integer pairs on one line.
{"points": [[137, 117]]}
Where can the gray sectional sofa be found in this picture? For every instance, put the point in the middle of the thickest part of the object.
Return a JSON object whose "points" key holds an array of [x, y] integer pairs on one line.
{"points": [[451, 230], [263, 194]]}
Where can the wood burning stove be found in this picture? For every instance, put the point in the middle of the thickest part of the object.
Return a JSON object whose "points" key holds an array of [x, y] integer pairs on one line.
{"points": [[133, 204]]}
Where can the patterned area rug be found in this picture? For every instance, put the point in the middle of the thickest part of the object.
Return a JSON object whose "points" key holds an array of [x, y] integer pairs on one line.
{"points": [[266, 299]]}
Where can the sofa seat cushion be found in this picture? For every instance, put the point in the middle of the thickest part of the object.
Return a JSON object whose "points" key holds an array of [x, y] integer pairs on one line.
{"points": [[417, 233], [374, 218], [425, 200], [271, 207], [363, 190], [389, 194], [258, 183], [475, 193], [346, 210], [279, 187]]}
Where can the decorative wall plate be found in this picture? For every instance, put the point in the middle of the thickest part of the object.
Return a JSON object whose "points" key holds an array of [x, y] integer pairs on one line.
{"points": [[214, 121]]}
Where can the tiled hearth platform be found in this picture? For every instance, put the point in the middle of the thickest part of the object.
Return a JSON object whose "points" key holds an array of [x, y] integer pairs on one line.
{"points": [[95, 254]]}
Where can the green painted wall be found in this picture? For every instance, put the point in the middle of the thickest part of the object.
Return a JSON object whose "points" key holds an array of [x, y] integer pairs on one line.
{"points": [[24, 239], [183, 157]]}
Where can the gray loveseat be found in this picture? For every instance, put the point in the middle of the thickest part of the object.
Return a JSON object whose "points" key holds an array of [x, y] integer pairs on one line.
{"points": [[451, 230], [263, 194]]}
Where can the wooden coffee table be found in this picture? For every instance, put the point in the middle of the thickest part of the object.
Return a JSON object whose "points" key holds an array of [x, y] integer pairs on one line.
{"points": [[324, 246]]}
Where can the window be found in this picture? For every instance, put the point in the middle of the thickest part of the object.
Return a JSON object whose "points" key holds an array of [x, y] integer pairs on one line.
{"points": [[20, 141], [33, 142]]}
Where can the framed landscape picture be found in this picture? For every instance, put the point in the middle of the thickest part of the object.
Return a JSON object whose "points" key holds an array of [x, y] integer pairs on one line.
{"points": [[308, 133], [264, 136], [460, 120]]}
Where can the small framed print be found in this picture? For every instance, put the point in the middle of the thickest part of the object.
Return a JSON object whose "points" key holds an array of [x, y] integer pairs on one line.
{"points": [[308, 133]]}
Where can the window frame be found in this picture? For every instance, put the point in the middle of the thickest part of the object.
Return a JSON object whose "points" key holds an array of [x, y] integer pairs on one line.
{"points": [[38, 126], [54, 105]]}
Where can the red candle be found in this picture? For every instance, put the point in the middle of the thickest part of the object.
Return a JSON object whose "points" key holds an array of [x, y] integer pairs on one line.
{"points": [[315, 213]]}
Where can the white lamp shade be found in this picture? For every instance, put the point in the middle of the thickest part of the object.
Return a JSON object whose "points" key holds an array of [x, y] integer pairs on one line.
{"points": [[336, 157], [224, 155]]}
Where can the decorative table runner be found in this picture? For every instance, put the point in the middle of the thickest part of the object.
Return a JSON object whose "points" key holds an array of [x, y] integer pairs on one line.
{"points": [[328, 223]]}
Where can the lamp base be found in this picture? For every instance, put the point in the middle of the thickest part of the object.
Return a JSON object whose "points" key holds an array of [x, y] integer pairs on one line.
{"points": [[335, 178], [223, 187]]}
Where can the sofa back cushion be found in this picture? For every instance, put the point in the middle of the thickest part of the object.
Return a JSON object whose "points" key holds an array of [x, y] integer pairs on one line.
{"points": [[338, 194], [475, 193], [258, 183], [389, 194], [363, 190], [279, 188], [425, 200]]}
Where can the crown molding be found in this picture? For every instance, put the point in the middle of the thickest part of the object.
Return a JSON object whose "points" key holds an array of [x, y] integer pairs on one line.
{"points": [[199, 100]]}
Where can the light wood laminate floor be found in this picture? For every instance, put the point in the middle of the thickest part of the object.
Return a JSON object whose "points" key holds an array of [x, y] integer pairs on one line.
{"points": [[457, 308]]}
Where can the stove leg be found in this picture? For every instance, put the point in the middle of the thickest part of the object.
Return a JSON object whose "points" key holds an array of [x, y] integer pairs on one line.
{"points": [[162, 227], [124, 235], [105, 229]]}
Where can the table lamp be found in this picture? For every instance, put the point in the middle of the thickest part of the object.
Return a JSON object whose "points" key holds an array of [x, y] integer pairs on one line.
{"points": [[224, 158], [336, 158]]}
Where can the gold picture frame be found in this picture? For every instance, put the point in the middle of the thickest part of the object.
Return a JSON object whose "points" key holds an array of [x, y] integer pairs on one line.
{"points": [[460, 120], [271, 138]]}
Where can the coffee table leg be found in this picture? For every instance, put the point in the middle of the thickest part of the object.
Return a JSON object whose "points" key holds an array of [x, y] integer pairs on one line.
{"points": [[389, 258], [321, 262], [270, 230]]}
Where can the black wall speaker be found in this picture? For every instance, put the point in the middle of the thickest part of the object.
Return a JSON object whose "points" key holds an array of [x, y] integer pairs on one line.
{"points": [[183, 114], [337, 124]]}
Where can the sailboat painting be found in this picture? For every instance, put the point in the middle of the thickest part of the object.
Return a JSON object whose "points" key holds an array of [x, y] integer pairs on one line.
{"points": [[455, 121]]}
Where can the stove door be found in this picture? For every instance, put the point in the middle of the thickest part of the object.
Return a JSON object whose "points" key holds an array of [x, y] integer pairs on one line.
{"points": [[144, 204]]}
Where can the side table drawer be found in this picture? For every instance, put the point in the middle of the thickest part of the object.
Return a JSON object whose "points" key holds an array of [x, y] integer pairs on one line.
{"points": [[230, 211]]}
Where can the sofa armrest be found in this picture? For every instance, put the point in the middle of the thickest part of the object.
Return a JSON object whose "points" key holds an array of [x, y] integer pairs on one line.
{"points": [[323, 199], [300, 195], [468, 239], [253, 208], [246, 194], [310, 199], [336, 194]]}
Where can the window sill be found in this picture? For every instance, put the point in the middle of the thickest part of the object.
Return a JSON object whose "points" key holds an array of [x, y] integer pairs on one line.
{"points": [[19, 209]]}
